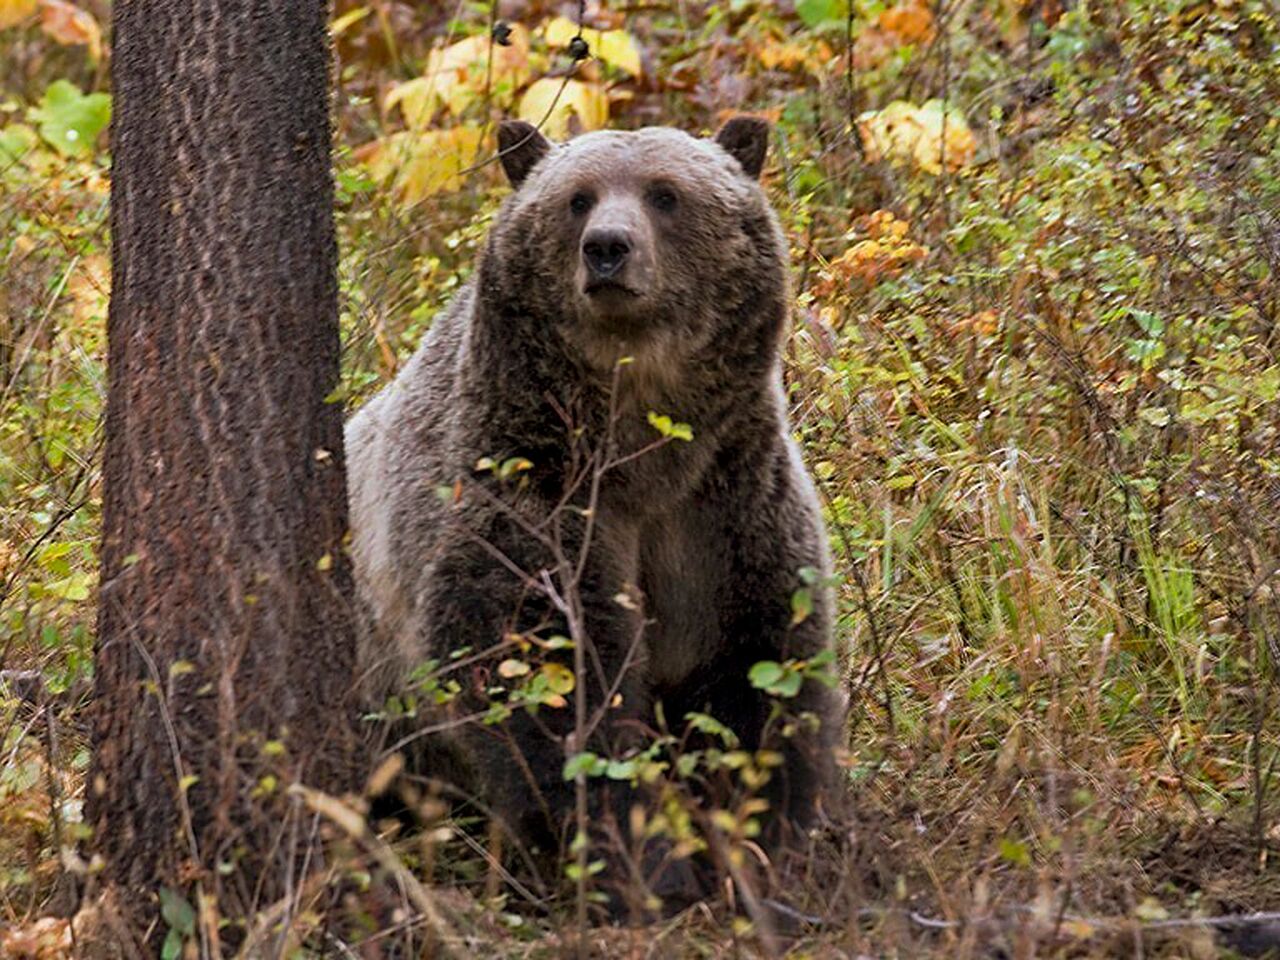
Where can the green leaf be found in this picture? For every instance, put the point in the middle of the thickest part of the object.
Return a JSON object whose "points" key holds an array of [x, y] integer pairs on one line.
{"points": [[574, 872], [781, 680], [705, 723], [815, 13], [74, 587], [71, 121], [1150, 910], [586, 763], [801, 605], [52, 552], [622, 769], [765, 674], [823, 659], [1015, 852], [673, 431], [1156, 416], [822, 669], [171, 949], [16, 142], [789, 685], [177, 913]]}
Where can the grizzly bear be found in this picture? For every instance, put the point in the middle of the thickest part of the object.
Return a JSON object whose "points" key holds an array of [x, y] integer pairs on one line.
{"points": [[588, 461]]}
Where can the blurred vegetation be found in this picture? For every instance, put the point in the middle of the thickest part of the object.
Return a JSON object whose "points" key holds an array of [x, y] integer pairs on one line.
{"points": [[1034, 368]]}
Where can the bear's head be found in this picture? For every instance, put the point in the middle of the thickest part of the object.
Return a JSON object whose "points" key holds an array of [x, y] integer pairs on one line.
{"points": [[636, 242]]}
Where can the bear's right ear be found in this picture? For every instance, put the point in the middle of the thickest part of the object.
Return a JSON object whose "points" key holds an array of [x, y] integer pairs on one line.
{"points": [[746, 139], [520, 146]]}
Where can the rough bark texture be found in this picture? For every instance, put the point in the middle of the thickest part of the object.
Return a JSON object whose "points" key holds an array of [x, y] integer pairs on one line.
{"points": [[225, 617]]}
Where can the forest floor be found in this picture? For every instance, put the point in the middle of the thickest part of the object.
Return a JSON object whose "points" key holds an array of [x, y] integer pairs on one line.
{"points": [[1033, 369]]}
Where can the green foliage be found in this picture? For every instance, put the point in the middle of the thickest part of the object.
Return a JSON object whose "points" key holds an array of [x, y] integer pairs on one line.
{"points": [[670, 429], [785, 679], [180, 917], [822, 14], [70, 120]]}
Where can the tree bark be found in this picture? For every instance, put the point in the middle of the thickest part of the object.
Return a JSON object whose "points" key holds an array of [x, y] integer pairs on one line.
{"points": [[225, 641]]}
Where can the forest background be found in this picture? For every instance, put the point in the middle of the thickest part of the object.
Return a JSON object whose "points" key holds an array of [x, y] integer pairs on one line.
{"points": [[1033, 368]]}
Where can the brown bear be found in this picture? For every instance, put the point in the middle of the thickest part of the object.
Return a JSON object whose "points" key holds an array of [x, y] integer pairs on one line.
{"points": [[514, 483]]}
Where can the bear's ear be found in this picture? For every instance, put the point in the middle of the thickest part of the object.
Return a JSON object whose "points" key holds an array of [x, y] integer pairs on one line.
{"points": [[520, 146], [746, 139]]}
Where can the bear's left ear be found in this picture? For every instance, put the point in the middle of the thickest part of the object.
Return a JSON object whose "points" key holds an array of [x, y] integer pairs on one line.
{"points": [[520, 147], [746, 139]]}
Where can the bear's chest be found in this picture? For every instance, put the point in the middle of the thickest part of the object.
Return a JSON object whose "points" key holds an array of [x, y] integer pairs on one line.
{"points": [[683, 567]]}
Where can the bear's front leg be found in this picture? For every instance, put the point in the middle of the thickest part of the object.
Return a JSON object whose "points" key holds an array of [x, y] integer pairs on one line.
{"points": [[563, 635], [772, 547]]}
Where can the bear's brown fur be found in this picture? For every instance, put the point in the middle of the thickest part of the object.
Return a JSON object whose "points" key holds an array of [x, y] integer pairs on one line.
{"points": [[658, 247]]}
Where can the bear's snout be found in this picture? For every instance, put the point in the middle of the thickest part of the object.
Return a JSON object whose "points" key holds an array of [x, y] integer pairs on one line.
{"points": [[605, 251]]}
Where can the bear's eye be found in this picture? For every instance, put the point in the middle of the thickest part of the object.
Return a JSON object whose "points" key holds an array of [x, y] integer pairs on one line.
{"points": [[580, 203], [663, 198]]}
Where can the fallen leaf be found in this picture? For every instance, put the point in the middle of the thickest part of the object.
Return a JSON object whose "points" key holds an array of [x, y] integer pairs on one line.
{"points": [[49, 938], [910, 22], [904, 24], [71, 26]]}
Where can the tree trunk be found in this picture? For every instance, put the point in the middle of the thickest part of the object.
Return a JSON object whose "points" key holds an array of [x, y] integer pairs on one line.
{"points": [[225, 642]]}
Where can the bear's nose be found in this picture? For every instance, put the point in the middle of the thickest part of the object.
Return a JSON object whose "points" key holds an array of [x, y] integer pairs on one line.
{"points": [[605, 251]]}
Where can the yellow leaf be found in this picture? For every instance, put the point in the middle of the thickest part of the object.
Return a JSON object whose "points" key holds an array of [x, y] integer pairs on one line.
{"points": [[911, 22], [423, 163], [510, 669], [905, 132], [351, 821], [1150, 909], [579, 105], [88, 289], [959, 146], [460, 55], [1077, 929], [785, 56], [339, 25], [384, 775], [69, 25], [418, 98], [560, 678], [456, 75], [558, 31], [13, 12], [615, 47], [619, 49]]}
